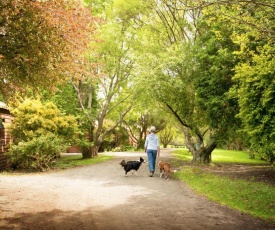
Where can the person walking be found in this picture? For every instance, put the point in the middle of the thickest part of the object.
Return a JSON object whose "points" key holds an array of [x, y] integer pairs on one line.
{"points": [[152, 149]]}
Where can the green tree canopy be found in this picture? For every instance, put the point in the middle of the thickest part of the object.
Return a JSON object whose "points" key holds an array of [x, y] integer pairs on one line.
{"points": [[38, 41]]}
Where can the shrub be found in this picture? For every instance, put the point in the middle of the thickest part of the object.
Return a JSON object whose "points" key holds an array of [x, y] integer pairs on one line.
{"points": [[38, 153], [39, 132]]}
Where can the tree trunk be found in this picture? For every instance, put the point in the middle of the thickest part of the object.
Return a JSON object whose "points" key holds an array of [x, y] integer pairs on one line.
{"points": [[141, 143], [95, 150], [141, 140], [90, 152], [203, 154], [86, 152], [189, 144]]}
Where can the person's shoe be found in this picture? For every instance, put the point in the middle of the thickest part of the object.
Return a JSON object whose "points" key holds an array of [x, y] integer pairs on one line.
{"points": [[151, 174]]}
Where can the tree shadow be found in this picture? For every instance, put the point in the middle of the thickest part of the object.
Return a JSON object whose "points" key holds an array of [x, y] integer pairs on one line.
{"points": [[53, 220]]}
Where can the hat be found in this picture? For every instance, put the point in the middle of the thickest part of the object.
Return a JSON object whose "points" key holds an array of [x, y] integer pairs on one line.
{"points": [[153, 129]]}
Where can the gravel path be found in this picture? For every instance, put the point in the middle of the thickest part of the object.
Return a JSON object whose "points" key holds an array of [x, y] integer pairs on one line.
{"points": [[100, 197]]}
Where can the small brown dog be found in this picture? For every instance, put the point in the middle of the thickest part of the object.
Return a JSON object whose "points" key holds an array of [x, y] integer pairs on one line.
{"points": [[165, 168]]}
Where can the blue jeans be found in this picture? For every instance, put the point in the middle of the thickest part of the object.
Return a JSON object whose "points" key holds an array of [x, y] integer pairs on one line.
{"points": [[152, 155]]}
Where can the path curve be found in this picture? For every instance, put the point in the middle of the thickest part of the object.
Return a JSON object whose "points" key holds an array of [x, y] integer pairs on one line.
{"points": [[100, 197]]}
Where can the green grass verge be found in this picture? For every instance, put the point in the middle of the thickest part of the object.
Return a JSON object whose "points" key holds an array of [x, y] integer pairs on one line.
{"points": [[222, 156], [257, 199], [254, 198], [75, 161]]}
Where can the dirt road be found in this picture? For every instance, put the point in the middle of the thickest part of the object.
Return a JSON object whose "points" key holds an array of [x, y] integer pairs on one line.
{"points": [[100, 197]]}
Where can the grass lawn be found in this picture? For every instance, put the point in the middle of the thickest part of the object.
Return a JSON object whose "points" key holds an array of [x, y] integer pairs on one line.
{"points": [[75, 161], [255, 198], [223, 156]]}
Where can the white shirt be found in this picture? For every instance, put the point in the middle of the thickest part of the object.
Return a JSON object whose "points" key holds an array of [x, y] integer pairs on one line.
{"points": [[152, 142]]}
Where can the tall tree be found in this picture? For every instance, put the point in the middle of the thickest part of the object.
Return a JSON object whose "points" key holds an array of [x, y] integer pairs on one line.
{"points": [[215, 62], [109, 82], [138, 122], [254, 78], [166, 136], [252, 27], [169, 67], [41, 42], [194, 85]]}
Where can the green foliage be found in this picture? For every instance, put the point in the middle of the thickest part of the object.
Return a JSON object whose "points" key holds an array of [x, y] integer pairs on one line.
{"points": [[32, 118], [37, 153], [186, 55], [113, 77], [166, 135], [64, 98], [137, 123], [98, 6], [256, 95], [38, 40], [215, 60], [254, 79], [254, 198], [40, 132]]}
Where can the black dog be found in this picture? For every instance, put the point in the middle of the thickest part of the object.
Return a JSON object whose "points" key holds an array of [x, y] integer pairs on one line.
{"points": [[131, 165]]}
